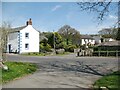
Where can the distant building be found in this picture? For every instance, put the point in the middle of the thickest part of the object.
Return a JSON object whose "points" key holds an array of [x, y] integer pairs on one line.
{"points": [[110, 43], [108, 39], [23, 39], [87, 39], [97, 39]]}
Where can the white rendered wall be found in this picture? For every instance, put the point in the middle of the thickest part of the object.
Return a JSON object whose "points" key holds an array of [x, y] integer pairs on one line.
{"points": [[87, 41], [13, 41], [33, 40]]}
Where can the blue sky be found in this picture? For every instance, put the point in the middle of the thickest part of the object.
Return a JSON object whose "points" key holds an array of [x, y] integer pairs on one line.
{"points": [[49, 16]]}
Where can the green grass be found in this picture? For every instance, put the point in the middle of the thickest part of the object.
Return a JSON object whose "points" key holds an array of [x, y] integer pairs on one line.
{"points": [[110, 81], [65, 53], [34, 54], [17, 70], [43, 54]]}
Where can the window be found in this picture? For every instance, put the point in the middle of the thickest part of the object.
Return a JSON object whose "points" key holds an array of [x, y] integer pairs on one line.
{"points": [[26, 46], [26, 35]]}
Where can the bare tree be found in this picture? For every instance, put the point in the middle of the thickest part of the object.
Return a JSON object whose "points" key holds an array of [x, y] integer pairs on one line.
{"points": [[69, 33], [102, 8], [4, 30], [0, 43]]}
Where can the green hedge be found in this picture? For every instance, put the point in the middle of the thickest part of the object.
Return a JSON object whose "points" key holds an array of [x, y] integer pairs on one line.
{"points": [[107, 48], [106, 53]]}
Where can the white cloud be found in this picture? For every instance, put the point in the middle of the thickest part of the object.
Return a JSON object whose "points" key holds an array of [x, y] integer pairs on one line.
{"points": [[56, 7], [113, 17]]}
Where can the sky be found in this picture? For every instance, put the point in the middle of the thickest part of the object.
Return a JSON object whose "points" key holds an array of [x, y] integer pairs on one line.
{"points": [[49, 16]]}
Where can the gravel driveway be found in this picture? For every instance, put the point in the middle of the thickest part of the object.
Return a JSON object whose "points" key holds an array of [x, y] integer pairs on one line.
{"points": [[66, 71]]}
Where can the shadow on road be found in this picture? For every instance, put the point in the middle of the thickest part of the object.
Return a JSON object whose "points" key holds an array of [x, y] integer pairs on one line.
{"points": [[77, 66]]}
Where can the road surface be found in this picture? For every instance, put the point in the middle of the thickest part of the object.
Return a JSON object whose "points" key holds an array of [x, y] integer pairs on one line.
{"points": [[65, 71]]}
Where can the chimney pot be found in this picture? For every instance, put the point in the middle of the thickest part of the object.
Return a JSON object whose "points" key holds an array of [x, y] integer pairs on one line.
{"points": [[29, 22]]}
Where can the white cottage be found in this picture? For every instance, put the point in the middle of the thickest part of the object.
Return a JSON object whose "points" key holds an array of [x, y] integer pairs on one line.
{"points": [[23, 39], [97, 39], [87, 39]]}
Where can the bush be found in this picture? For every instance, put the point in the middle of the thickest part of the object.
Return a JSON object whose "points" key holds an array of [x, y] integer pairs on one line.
{"points": [[47, 47], [107, 48], [70, 48], [106, 51], [41, 46], [61, 45]]}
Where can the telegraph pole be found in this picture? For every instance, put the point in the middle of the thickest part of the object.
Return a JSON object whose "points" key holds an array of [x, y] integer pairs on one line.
{"points": [[67, 36], [54, 41], [39, 42]]}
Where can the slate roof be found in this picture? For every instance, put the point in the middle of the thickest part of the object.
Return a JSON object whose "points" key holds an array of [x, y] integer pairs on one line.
{"points": [[17, 29], [110, 43], [97, 37], [86, 37]]}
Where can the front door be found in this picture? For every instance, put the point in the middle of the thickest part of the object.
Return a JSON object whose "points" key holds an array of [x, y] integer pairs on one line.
{"points": [[9, 47]]}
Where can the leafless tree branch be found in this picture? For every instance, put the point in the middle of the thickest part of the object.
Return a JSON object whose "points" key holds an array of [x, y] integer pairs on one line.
{"points": [[101, 7]]}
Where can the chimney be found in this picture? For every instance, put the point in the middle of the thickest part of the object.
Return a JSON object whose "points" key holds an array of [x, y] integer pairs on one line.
{"points": [[29, 22]]}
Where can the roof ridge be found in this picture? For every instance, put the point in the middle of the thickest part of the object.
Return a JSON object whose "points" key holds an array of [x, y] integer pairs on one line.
{"points": [[16, 29], [19, 27]]}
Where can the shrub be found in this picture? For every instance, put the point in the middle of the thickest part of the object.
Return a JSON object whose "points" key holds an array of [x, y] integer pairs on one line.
{"points": [[41, 46], [106, 48], [60, 45], [28, 53], [47, 47], [70, 48]]}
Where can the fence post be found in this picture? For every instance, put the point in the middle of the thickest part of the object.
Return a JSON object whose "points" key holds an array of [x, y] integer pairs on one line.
{"points": [[99, 53], [116, 53], [107, 53]]}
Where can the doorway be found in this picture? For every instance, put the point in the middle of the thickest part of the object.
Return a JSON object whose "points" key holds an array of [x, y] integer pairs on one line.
{"points": [[9, 47]]}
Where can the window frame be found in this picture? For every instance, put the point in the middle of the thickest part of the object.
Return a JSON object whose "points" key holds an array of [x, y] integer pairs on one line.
{"points": [[27, 35], [27, 48]]}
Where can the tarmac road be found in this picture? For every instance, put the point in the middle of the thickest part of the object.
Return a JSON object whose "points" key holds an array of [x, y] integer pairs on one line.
{"points": [[65, 71]]}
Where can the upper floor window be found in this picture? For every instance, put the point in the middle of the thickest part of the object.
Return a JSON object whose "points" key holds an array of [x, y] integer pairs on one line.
{"points": [[26, 35]]}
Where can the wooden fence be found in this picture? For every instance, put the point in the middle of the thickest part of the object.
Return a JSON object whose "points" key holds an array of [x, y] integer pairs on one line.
{"points": [[106, 53]]}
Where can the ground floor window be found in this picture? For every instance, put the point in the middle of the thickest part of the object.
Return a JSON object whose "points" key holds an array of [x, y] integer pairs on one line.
{"points": [[26, 46]]}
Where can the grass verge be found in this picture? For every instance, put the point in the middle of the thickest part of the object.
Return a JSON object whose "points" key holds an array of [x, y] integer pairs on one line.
{"points": [[43, 54], [34, 54], [110, 81], [65, 53], [17, 70]]}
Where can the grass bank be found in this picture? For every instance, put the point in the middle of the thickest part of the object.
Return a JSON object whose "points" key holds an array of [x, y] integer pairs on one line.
{"points": [[34, 54], [44, 54], [65, 53], [110, 81], [17, 70]]}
